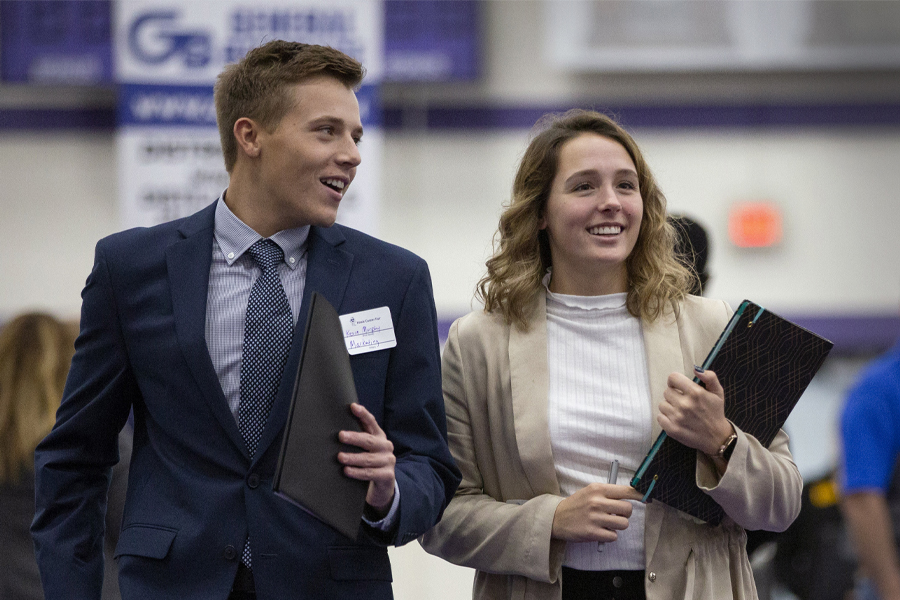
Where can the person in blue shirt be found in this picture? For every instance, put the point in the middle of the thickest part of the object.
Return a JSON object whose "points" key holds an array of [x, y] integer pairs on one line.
{"points": [[870, 435]]}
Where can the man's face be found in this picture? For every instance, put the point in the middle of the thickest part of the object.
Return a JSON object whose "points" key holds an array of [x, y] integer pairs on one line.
{"points": [[308, 161]]}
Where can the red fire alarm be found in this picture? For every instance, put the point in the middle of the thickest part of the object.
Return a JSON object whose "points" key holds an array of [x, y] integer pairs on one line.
{"points": [[755, 225]]}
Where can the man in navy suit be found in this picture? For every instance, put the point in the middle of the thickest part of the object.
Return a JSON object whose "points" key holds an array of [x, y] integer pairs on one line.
{"points": [[162, 329]]}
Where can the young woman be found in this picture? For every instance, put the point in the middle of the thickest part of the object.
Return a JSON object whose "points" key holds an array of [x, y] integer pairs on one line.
{"points": [[35, 351], [584, 352]]}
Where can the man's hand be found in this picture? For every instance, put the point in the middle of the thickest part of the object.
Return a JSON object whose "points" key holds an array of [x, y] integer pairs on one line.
{"points": [[375, 464], [694, 415]]}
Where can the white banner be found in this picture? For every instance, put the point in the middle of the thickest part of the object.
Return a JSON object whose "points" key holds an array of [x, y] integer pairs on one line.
{"points": [[167, 57]]}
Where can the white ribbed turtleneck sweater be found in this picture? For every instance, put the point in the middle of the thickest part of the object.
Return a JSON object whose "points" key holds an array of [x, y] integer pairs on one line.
{"points": [[599, 410]]}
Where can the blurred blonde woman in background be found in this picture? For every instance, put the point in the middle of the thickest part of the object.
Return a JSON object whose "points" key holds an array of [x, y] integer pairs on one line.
{"points": [[35, 352]]}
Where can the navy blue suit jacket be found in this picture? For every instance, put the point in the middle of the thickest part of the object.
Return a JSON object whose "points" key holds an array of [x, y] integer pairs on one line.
{"points": [[193, 493]]}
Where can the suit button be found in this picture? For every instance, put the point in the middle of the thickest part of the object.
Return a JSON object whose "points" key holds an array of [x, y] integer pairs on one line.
{"points": [[230, 552], [617, 582], [253, 481]]}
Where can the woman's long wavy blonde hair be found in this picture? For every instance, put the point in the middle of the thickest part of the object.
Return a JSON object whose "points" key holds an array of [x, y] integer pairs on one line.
{"points": [[656, 277], [35, 352]]}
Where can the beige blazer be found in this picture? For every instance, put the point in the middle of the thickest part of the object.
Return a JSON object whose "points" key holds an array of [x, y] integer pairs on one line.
{"points": [[495, 381]]}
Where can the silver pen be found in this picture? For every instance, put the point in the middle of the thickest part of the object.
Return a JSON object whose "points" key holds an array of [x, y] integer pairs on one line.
{"points": [[613, 476]]}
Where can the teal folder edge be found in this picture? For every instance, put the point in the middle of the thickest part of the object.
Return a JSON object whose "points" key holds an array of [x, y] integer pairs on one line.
{"points": [[669, 466]]}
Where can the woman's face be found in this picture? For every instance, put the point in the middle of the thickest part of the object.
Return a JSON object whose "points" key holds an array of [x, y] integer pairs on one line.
{"points": [[593, 216]]}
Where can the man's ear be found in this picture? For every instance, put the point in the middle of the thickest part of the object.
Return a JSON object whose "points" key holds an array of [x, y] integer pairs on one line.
{"points": [[246, 132]]}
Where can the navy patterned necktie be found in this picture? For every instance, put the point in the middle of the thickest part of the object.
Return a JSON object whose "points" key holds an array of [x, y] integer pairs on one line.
{"points": [[267, 338]]}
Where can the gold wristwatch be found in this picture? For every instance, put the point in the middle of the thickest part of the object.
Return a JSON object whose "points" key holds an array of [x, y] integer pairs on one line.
{"points": [[727, 448]]}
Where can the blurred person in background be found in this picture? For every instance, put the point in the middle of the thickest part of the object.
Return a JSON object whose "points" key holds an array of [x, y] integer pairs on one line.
{"points": [[868, 475], [581, 357], [35, 352], [692, 245]]}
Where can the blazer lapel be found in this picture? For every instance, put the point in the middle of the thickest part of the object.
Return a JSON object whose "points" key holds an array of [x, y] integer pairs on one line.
{"points": [[528, 365], [188, 262], [328, 267], [327, 272], [662, 344], [529, 382]]}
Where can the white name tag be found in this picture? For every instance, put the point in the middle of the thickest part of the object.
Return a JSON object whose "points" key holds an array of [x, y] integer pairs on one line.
{"points": [[368, 330]]}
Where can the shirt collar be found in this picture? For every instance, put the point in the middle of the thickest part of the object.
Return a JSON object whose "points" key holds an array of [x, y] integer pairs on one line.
{"points": [[606, 301], [235, 237]]}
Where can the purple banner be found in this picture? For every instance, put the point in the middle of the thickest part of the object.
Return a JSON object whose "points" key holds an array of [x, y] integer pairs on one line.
{"points": [[193, 106], [69, 41], [55, 41], [432, 40]]}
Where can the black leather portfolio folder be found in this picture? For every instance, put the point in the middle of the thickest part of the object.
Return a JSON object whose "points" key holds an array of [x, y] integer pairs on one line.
{"points": [[764, 363], [308, 472]]}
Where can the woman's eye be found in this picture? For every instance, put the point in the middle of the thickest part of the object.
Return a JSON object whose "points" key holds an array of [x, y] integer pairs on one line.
{"points": [[581, 187], [628, 185]]}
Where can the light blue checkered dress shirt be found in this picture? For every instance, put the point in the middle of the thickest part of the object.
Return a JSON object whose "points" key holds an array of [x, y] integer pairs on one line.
{"points": [[231, 276]]}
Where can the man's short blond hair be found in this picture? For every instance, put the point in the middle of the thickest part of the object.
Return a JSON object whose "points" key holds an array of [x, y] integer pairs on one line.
{"points": [[257, 86]]}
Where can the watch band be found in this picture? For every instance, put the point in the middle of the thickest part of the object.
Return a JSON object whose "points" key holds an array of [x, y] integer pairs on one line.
{"points": [[727, 448]]}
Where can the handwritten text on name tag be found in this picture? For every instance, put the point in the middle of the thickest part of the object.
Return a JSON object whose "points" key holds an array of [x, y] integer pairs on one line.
{"points": [[368, 330]]}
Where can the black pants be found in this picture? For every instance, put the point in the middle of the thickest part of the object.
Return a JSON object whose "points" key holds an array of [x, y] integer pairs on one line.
{"points": [[243, 587], [602, 585]]}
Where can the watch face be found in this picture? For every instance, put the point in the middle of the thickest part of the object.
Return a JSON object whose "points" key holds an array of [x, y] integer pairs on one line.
{"points": [[729, 447]]}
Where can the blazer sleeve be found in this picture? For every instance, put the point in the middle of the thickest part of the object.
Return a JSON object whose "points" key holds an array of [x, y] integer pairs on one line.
{"points": [[478, 530], [762, 487], [73, 463], [414, 418]]}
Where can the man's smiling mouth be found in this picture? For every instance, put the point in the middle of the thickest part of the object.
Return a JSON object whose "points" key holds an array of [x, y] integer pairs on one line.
{"points": [[335, 184]]}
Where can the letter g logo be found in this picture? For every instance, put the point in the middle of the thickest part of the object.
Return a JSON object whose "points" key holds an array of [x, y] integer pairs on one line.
{"points": [[153, 38]]}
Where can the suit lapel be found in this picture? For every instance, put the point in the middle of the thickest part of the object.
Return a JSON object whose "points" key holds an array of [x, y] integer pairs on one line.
{"points": [[328, 267], [662, 344], [327, 272], [188, 262], [529, 382]]}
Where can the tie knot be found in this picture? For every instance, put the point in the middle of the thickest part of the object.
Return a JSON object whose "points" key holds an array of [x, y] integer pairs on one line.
{"points": [[266, 253]]}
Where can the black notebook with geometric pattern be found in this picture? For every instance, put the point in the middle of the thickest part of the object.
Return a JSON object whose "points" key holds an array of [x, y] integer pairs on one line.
{"points": [[764, 363]]}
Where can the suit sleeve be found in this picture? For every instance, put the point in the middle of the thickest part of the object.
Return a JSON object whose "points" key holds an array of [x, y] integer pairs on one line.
{"points": [[73, 463], [414, 417], [478, 530]]}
